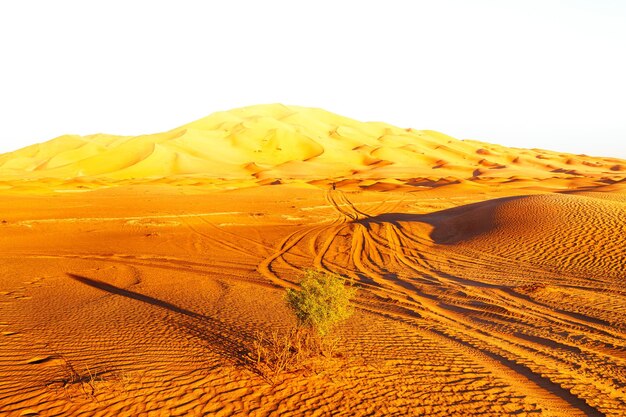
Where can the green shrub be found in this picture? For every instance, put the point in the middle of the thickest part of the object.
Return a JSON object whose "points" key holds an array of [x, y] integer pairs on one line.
{"points": [[322, 301]]}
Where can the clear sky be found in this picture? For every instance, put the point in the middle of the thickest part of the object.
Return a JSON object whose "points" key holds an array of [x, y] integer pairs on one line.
{"points": [[527, 73]]}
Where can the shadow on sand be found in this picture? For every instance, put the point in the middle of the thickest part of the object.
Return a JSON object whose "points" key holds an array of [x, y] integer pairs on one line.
{"points": [[450, 225], [225, 339]]}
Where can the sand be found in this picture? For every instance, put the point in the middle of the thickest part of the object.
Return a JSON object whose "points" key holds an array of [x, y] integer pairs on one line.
{"points": [[490, 279]]}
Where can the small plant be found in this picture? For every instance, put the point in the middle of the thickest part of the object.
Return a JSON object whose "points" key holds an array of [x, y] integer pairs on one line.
{"points": [[86, 383], [275, 352], [322, 301]]}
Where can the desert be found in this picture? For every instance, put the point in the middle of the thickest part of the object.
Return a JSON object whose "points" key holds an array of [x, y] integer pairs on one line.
{"points": [[137, 270]]}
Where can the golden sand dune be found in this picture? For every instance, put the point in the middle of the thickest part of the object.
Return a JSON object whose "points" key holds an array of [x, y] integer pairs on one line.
{"points": [[134, 272], [289, 142]]}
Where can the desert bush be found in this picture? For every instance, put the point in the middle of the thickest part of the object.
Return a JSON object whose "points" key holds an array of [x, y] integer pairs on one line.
{"points": [[275, 352], [322, 301]]}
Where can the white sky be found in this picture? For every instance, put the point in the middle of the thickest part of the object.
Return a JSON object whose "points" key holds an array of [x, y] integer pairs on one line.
{"points": [[527, 73]]}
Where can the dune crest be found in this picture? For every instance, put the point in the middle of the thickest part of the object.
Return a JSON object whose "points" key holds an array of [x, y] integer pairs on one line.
{"points": [[291, 143], [564, 233]]}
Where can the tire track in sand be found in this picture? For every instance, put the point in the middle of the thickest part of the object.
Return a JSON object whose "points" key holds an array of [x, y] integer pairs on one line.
{"points": [[376, 250]]}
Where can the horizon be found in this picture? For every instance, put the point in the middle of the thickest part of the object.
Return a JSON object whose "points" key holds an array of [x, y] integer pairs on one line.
{"points": [[544, 75], [308, 107]]}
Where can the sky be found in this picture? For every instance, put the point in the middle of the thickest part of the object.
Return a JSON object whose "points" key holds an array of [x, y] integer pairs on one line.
{"points": [[530, 73]]}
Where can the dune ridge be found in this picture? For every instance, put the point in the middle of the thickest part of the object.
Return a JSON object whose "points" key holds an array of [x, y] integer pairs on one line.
{"points": [[291, 143]]}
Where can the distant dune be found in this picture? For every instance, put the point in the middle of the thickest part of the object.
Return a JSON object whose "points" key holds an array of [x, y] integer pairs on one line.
{"points": [[290, 143]]}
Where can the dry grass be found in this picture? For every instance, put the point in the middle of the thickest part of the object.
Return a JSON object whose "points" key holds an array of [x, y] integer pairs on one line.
{"points": [[299, 349], [88, 383], [275, 353]]}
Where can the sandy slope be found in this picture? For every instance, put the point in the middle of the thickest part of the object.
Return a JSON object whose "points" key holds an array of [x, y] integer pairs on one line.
{"points": [[498, 294], [289, 142]]}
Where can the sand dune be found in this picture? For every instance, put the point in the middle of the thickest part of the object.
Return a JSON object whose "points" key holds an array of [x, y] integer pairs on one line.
{"points": [[134, 271], [291, 143], [560, 232]]}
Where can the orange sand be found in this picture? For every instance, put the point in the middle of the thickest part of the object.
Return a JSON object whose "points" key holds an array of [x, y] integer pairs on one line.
{"points": [[490, 279]]}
